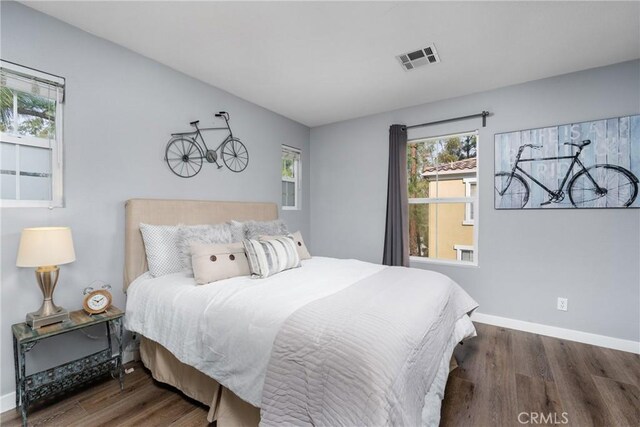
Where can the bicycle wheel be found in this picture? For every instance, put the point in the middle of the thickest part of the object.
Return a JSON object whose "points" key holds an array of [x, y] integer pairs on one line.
{"points": [[616, 187], [184, 157], [235, 155], [512, 191]]}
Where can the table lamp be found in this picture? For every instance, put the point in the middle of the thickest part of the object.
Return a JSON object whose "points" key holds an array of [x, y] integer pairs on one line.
{"points": [[46, 248]]}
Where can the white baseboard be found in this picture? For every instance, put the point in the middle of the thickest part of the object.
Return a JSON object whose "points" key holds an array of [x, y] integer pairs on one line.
{"points": [[8, 401], [556, 332]]}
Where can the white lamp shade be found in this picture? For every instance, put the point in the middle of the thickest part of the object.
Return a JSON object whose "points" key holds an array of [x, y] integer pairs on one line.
{"points": [[44, 246]]}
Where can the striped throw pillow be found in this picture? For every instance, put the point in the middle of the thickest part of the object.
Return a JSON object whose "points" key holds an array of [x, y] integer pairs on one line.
{"points": [[268, 257]]}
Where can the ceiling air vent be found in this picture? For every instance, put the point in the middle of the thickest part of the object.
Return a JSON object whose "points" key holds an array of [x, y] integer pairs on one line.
{"points": [[418, 58]]}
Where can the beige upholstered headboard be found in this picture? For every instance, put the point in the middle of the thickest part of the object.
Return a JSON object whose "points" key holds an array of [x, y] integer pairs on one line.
{"points": [[172, 212]]}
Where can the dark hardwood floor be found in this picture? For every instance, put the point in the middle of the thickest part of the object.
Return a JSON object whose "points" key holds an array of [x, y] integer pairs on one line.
{"points": [[503, 375]]}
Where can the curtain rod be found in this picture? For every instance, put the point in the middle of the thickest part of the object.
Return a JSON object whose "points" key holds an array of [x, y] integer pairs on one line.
{"points": [[484, 115]]}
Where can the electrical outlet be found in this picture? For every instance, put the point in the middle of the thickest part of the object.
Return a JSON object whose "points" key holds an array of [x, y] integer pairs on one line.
{"points": [[563, 304]]}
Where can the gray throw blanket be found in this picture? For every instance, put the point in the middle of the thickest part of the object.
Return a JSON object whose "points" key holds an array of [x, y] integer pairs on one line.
{"points": [[364, 356]]}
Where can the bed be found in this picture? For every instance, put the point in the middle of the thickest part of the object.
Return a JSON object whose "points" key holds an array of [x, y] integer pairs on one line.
{"points": [[330, 343]]}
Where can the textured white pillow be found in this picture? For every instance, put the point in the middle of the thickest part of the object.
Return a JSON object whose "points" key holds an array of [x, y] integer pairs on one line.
{"points": [[205, 234], [160, 246]]}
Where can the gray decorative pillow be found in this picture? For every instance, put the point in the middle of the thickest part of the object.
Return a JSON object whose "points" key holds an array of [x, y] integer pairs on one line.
{"points": [[160, 246], [303, 252], [268, 257], [205, 234], [237, 230], [255, 229]]}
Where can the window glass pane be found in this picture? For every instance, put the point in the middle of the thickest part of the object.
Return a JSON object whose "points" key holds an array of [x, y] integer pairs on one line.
{"points": [[288, 193], [7, 156], [8, 185], [437, 166], [35, 188], [7, 171], [435, 229], [35, 160], [287, 168], [36, 115], [6, 110], [419, 230], [285, 202], [291, 193], [35, 173]]}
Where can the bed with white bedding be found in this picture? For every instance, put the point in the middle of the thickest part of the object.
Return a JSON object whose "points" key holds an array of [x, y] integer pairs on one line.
{"points": [[333, 342], [227, 329]]}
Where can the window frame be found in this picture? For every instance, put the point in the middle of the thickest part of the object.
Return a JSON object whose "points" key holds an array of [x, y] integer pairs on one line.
{"points": [[296, 180], [55, 145], [443, 200], [468, 182]]}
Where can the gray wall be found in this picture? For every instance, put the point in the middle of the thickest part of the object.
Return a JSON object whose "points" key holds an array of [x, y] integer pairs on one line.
{"points": [[526, 258], [119, 112]]}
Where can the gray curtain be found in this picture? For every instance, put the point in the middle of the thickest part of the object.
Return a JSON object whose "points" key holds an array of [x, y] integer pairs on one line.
{"points": [[396, 245]]}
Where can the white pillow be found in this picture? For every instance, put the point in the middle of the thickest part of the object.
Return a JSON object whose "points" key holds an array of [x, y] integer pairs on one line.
{"points": [[161, 249], [217, 262]]}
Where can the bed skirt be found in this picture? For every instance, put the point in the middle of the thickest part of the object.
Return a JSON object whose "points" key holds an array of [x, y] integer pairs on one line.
{"points": [[227, 409]]}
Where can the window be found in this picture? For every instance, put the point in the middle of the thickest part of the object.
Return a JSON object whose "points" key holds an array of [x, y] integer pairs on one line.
{"points": [[290, 178], [442, 184], [30, 137], [464, 252]]}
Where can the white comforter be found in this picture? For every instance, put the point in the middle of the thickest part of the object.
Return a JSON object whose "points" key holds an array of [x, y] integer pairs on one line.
{"points": [[226, 329]]}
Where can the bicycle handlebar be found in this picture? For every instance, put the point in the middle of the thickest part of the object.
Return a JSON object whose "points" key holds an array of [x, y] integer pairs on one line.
{"points": [[535, 147]]}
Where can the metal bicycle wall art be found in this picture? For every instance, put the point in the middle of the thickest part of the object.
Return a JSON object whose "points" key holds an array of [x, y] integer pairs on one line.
{"points": [[186, 151], [581, 165]]}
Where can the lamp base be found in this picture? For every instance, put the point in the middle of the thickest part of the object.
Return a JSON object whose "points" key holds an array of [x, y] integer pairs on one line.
{"points": [[49, 313], [38, 321]]}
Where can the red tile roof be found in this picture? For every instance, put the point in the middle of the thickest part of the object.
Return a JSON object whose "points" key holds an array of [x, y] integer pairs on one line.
{"points": [[460, 165]]}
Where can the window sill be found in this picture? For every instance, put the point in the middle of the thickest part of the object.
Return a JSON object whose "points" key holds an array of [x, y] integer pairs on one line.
{"points": [[30, 204], [290, 208], [453, 263], [468, 222]]}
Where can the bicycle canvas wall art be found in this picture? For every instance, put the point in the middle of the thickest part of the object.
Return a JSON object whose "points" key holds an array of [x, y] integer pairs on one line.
{"points": [[579, 165]]}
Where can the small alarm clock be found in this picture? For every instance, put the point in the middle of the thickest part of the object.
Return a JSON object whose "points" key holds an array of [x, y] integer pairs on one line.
{"points": [[97, 301]]}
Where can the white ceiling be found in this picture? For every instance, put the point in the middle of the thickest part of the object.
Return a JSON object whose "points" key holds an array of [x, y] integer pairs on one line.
{"points": [[321, 62]]}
